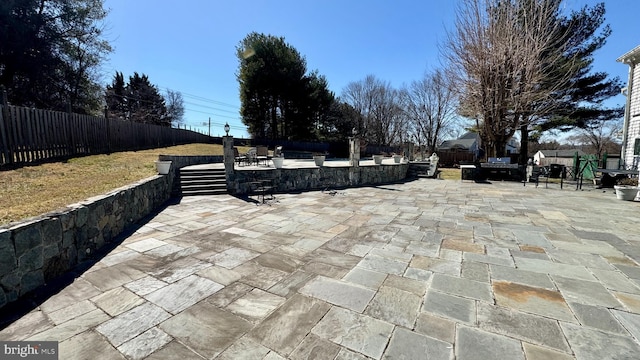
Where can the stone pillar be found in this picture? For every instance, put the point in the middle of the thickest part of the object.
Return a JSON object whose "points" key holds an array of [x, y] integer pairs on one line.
{"points": [[229, 160], [354, 161], [408, 151], [354, 152]]}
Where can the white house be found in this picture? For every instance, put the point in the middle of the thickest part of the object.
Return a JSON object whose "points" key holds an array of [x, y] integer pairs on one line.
{"points": [[631, 132]]}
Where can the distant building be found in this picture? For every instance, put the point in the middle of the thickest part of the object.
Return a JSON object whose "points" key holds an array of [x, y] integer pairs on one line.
{"points": [[470, 142], [563, 157], [631, 131]]}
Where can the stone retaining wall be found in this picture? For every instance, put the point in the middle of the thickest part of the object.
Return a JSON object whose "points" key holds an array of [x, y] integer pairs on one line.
{"points": [[34, 251], [303, 179]]}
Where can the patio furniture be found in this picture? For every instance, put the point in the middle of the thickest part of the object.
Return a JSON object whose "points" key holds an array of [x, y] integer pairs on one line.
{"points": [[240, 159], [542, 172], [278, 152], [262, 188], [262, 154], [467, 172], [252, 157]]}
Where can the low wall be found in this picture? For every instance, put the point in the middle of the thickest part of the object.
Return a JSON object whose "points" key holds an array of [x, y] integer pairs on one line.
{"points": [[303, 179], [37, 250]]}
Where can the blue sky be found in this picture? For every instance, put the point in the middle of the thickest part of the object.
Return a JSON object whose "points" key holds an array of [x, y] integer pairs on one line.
{"points": [[189, 46]]}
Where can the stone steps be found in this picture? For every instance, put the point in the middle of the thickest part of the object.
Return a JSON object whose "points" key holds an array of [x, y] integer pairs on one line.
{"points": [[419, 170], [202, 182]]}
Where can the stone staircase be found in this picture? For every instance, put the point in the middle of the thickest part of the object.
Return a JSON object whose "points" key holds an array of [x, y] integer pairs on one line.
{"points": [[419, 170], [202, 182]]}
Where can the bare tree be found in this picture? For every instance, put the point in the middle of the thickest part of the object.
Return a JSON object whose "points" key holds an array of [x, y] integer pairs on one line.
{"points": [[507, 58], [429, 105], [600, 136], [381, 121], [175, 107]]}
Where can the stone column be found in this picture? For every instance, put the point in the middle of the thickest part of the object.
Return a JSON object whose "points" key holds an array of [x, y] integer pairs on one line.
{"points": [[229, 160], [408, 151], [354, 152], [354, 160]]}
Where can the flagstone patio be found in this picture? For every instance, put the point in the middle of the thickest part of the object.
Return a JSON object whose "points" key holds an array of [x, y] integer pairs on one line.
{"points": [[425, 269]]}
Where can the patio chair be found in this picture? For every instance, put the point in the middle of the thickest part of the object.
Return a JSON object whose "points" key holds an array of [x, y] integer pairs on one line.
{"points": [[262, 154], [541, 172], [240, 159], [252, 156], [278, 151]]}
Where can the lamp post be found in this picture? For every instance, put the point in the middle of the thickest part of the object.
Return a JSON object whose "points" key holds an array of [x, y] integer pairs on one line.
{"points": [[227, 128]]}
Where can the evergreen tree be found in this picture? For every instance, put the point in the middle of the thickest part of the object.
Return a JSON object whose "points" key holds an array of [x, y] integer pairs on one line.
{"points": [[579, 104], [51, 51], [278, 99], [138, 100], [581, 100], [116, 97]]}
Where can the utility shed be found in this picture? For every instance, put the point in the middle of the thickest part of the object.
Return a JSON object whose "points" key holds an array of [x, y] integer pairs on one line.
{"points": [[562, 157]]}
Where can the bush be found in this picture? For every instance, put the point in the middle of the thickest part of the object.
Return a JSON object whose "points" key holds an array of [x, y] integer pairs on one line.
{"points": [[628, 181]]}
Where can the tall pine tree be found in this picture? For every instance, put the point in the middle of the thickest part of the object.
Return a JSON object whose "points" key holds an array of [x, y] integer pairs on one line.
{"points": [[579, 104], [138, 100], [278, 99]]}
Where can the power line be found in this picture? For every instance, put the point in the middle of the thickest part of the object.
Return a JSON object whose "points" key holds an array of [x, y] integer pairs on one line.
{"points": [[212, 114], [209, 107], [201, 98]]}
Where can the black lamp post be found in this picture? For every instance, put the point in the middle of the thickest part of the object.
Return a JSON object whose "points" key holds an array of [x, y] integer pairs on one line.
{"points": [[227, 128]]}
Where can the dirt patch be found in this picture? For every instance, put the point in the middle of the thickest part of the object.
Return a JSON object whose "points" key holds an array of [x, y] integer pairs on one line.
{"points": [[522, 293]]}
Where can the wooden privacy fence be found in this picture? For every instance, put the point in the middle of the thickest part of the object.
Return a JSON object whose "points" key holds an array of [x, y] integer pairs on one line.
{"points": [[31, 135]]}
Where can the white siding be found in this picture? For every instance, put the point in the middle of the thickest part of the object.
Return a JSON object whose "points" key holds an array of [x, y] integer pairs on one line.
{"points": [[633, 132]]}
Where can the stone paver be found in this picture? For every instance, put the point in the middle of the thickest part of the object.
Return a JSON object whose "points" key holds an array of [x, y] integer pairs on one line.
{"points": [[283, 330], [597, 317], [462, 287], [454, 307], [422, 269], [410, 345], [531, 299], [132, 323], [184, 293], [592, 344], [206, 329], [474, 344], [89, 345], [255, 305], [339, 293], [585, 292], [395, 306], [536, 329], [144, 344], [357, 332]]}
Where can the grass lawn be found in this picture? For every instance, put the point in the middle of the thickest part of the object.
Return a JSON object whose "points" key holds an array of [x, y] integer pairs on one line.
{"points": [[449, 173], [34, 190]]}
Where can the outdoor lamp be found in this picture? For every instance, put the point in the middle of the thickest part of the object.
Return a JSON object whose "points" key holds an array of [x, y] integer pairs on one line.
{"points": [[227, 128]]}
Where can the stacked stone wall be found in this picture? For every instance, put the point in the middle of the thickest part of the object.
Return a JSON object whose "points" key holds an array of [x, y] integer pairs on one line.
{"points": [[35, 251], [304, 179]]}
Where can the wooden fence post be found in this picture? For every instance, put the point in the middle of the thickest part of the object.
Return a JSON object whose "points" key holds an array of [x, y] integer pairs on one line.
{"points": [[106, 120], [5, 130]]}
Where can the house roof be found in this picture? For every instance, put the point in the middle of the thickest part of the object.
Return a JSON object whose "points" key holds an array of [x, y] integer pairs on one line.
{"points": [[469, 135], [562, 153], [466, 141], [631, 57], [458, 143]]}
